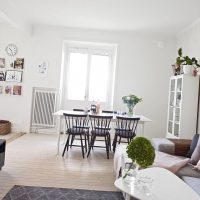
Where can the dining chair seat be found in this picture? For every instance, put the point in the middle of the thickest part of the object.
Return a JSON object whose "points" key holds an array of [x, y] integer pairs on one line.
{"points": [[76, 131], [100, 132], [125, 133]]}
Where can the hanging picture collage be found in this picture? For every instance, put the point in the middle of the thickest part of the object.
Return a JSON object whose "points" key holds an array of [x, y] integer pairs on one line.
{"points": [[11, 76]]}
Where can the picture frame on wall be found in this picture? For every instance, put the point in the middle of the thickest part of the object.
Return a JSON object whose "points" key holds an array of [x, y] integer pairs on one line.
{"points": [[19, 63], [2, 76], [1, 89], [17, 90], [42, 68], [2, 62], [13, 76], [8, 89]]}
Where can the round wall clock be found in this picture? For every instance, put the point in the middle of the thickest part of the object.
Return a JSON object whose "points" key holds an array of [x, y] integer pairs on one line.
{"points": [[11, 49]]}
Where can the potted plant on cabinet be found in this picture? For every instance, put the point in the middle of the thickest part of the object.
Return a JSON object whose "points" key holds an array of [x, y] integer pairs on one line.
{"points": [[190, 65]]}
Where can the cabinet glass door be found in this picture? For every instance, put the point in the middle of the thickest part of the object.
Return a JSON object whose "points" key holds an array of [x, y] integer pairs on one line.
{"points": [[176, 129], [172, 92]]}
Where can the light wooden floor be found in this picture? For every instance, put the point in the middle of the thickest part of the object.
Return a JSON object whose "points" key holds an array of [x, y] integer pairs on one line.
{"points": [[11, 136], [31, 160]]}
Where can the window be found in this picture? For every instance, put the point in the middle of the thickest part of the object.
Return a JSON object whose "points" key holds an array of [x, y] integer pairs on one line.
{"points": [[77, 76], [89, 74]]}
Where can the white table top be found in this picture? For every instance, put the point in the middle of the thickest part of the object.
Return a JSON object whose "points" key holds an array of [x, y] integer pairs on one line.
{"points": [[166, 186], [60, 113]]}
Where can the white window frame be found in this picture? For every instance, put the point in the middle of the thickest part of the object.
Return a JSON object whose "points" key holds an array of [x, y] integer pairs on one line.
{"points": [[91, 49]]}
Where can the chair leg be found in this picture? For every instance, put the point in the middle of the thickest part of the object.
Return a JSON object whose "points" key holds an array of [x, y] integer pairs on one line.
{"points": [[82, 147], [107, 145], [114, 143], [119, 140], [72, 140], [66, 145], [88, 138], [93, 137], [68, 139], [85, 136], [109, 141]]}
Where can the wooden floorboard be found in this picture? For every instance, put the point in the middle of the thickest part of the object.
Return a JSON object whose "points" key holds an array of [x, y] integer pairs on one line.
{"points": [[31, 160]]}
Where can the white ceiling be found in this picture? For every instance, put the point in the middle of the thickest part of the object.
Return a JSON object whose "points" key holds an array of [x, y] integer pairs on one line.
{"points": [[149, 16]]}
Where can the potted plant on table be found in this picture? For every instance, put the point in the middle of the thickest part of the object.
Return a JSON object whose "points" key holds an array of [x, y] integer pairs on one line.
{"points": [[131, 100], [190, 65], [142, 154]]}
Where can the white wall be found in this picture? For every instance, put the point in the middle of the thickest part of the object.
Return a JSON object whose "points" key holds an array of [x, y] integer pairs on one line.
{"points": [[143, 68], [189, 40]]}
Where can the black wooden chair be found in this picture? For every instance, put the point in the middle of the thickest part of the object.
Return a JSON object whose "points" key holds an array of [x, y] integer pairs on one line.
{"points": [[76, 126], [87, 127], [125, 128], [100, 128]]}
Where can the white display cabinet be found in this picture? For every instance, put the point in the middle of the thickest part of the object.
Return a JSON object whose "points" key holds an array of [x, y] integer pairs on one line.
{"points": [[182, 106]]}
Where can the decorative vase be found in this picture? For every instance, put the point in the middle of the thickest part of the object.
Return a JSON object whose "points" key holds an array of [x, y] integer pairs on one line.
{"points": [[187, 69], [130, 109], [129, 170]]}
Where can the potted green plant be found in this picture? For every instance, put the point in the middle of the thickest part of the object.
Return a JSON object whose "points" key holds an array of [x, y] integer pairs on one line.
{"points": [[190, 65], [141, 152], [131, 100]]}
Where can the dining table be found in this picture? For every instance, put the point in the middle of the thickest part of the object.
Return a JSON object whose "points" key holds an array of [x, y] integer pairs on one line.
{"points": [[60, 115]]}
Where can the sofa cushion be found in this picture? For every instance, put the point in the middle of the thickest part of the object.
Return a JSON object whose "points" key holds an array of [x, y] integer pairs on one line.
{"points": [[193, 145], [120, 149], [197, 166], [194, 183], [188, 170], [164, 145], [196, 154], [170, 162]]}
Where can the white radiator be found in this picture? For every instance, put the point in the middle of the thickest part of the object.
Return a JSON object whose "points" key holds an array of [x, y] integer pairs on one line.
{"points": [[43, 107]]}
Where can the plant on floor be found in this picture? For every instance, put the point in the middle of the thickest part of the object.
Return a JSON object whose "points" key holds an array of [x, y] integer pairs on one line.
{"points": [[131, 100]]}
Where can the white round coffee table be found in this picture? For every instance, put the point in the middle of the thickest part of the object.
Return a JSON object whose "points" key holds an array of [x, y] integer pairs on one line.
{"points": [[165, 186]]}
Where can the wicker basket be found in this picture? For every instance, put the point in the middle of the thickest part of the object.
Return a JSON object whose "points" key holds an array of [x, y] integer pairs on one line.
{"points": [[5, 127]]}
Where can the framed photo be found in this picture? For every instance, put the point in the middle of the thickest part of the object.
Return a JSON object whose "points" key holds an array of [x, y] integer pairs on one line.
{"points": [[2, 76], [2, 62], [17, 90], [19, 63], [8, 89], [1, 89], [42, 68], [13, 76]]}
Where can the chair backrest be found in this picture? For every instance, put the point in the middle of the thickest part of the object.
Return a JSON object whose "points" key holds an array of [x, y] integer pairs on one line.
{"points": [[109, 111], [100, 123], [81, 110], [77, 122], [126, 126]]}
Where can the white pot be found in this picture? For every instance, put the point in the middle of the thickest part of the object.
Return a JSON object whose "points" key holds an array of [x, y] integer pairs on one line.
{"points": [[187, 69]]}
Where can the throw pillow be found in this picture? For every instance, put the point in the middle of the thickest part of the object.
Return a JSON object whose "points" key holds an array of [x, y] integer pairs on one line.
{"points": [[197, 166], [193, 145], [196, 154]]}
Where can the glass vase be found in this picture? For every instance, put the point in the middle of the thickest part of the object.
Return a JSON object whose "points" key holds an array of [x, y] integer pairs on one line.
{"points": [[129, 170], [130, 109]]}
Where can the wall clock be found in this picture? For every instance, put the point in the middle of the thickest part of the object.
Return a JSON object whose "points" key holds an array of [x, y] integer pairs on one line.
{"points": [[11, 49]]}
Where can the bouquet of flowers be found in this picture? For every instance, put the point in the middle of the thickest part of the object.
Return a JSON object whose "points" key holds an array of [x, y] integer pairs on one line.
{"points": [[131, 100]]}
